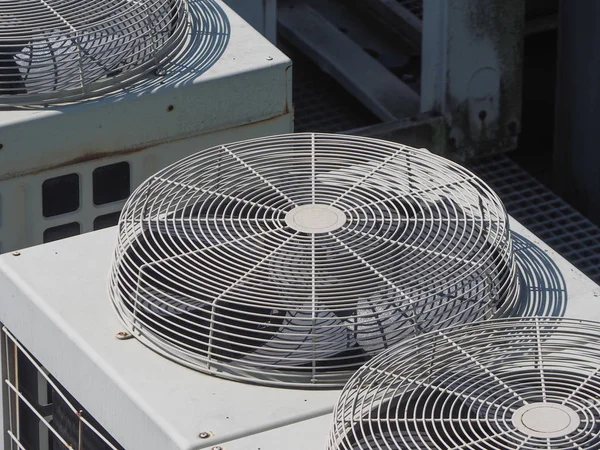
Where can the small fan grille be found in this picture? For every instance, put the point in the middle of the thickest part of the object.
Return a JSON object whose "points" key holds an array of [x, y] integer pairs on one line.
{"points": [[65, 50], [294, 259], [525, 384]]}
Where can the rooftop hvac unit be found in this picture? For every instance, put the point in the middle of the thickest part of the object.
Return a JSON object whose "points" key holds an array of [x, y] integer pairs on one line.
{"points": [[251, 268], [293, 259], [524, 383], [97, 96]]}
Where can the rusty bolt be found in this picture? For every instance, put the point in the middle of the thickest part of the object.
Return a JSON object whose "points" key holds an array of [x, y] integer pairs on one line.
{"points": [[204, 435], [123, 335], [16, 253]]}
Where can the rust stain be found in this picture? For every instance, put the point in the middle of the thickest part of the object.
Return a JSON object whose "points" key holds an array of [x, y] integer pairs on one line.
{"points": [[93, 155]]}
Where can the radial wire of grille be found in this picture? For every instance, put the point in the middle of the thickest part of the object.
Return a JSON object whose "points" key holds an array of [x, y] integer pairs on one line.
{"points": [[293, 259], [61, 50], [521, 383]]}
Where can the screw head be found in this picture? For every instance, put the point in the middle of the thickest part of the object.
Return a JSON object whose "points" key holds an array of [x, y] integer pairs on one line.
{"points": [[123, 335], [218, 447], [16, 253], [204, 435], [160, 72], [269, 58]]}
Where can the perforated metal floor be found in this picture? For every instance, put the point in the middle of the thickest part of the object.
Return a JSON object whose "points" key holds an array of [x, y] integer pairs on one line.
{"points": [[547, 215]]}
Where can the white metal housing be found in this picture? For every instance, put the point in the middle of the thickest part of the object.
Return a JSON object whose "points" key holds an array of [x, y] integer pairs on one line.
{"points": [[227, 83], [64, 317]]}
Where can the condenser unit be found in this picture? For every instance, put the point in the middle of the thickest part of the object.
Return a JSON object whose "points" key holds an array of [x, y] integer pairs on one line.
{"points": [[248, 286], [97, 96]]}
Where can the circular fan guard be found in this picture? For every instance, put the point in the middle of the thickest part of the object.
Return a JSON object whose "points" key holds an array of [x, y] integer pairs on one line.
{"points": [[294, 259], [516, 383], [63, 50]]}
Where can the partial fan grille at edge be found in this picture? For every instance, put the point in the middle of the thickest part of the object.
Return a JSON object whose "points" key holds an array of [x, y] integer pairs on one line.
{"points": [[59, 50], [504, 384], [292, 260]]}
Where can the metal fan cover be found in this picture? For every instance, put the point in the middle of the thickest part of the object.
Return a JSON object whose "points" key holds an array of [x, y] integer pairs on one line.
{"points": [[293, 259], [519, 383], [54, 51]]}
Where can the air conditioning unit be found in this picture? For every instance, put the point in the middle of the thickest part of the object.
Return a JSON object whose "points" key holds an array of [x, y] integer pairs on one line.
{"points": [[246, 284], [95, 97]]}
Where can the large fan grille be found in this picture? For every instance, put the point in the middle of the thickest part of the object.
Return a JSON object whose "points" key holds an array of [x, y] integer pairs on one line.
{"points": [[293, 259], [525, 384], [64, 50]]}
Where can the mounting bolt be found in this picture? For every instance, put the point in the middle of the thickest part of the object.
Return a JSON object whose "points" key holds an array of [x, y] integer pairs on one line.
{"points": [[160, 72], [217, 447], [269, 58], [122, 335], [204, 435], [16, 253]]}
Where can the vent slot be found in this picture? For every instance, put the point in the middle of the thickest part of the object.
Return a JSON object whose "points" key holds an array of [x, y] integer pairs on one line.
{"points": [[111, 183], [62, 232], [60, 195]]}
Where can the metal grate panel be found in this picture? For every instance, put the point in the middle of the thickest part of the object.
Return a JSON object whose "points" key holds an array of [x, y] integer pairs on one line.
{"points": [[552, 219]]}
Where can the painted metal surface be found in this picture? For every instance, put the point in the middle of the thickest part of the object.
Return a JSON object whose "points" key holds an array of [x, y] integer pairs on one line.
{"points": [[63, 316], [471, 71], [261, 14]]}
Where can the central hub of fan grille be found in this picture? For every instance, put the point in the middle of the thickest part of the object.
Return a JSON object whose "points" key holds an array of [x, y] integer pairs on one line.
{"points": [[315, 218], [546, 420], [292, 260]]}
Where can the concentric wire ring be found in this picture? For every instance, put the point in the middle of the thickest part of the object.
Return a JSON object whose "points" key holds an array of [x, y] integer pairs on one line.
{"points": [[294, 259], [520, 383], [65, 50]]}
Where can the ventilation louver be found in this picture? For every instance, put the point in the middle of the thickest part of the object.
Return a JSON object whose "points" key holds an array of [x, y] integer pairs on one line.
{"points": [[292, 260], [521, 383], [64, 50]]}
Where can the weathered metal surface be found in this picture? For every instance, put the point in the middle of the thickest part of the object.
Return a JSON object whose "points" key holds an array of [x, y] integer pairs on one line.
{"points": [[23, 224], [362, 75], [471, 71], [577, 159]]}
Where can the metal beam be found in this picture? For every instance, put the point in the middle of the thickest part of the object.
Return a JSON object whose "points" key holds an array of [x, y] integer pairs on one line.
{"points": [[394, 17], [362, 75]]}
